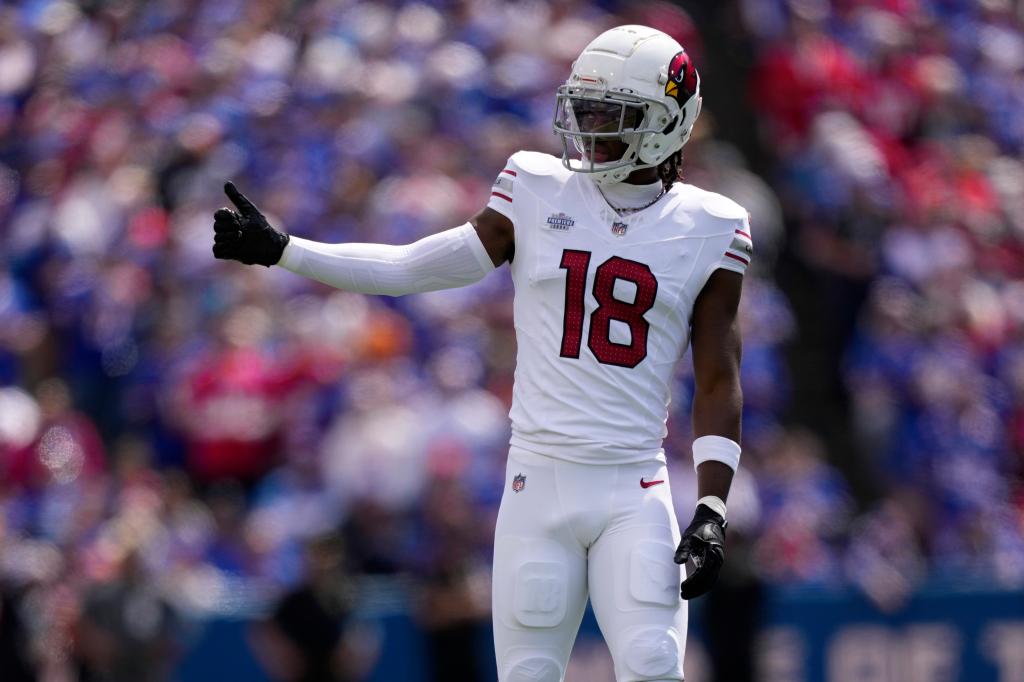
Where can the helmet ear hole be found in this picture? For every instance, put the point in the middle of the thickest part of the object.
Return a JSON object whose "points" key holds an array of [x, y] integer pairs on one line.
{"points": [[671, 126]]}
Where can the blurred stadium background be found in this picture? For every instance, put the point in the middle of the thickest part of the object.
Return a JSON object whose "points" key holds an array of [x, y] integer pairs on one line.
{"points": [[212, 472]]}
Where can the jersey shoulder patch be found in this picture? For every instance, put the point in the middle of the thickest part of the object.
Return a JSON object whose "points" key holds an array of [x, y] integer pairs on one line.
{"points": [[723, 207]]}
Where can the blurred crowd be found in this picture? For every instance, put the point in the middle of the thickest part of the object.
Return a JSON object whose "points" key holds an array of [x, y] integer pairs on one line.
{"points": [[181, 437], [896, 138]]}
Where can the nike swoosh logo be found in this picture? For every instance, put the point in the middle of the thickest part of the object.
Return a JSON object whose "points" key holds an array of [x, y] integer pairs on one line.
{"points": [[648, 484]]}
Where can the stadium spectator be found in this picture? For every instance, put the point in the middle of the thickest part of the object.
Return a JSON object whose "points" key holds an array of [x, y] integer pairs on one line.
{"points": [[127, 630], [308, 636], [455, 601]]}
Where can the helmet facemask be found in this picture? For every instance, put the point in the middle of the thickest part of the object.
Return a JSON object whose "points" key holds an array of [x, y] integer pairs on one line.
{"points": [[606, 130]]}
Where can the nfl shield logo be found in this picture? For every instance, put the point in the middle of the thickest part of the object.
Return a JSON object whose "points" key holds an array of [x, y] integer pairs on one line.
{"points": [[518, 483], [619, 229]]}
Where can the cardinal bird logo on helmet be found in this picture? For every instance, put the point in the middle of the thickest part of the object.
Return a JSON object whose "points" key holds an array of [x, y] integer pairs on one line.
{"points": [[682, 78]]}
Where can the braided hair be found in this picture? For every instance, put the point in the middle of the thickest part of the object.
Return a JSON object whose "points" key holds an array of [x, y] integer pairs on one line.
{"points": [[671, 169]]}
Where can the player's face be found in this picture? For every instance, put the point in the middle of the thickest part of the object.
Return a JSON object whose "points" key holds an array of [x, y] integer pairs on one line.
{"points": [[606, 119]]}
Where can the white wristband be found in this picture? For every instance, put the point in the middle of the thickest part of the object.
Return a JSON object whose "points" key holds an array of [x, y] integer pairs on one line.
{"points": [[718, 449], [714, 502]]}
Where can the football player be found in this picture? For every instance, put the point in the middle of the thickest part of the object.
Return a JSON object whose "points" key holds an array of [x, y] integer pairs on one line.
{"points": [[618, 266]]}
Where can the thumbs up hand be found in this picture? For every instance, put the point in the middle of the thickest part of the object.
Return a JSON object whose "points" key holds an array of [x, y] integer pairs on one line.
{"points": [[245, 235]]}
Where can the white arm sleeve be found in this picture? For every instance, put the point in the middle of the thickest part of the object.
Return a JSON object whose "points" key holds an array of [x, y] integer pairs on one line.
{"points": [[453, 258]]}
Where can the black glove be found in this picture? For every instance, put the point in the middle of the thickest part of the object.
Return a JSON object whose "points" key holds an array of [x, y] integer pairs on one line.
{"points": [[703, 545], [245, 236]]}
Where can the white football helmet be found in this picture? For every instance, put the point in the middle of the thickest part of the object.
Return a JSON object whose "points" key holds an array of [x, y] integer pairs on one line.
{"points": [[633, 87]]}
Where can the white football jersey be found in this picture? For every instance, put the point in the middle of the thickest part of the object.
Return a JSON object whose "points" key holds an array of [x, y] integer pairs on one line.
{"points": [[603, 305]]}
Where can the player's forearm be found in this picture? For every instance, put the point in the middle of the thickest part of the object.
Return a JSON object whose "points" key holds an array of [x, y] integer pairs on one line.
{"points": [[717, 409], [445, 260], [714, 479], [716, 413]]}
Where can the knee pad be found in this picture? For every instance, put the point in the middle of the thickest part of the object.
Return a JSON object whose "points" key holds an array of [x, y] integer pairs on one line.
{"points": [[534, 669], [539, 598], [653, 574], [652, 653]]}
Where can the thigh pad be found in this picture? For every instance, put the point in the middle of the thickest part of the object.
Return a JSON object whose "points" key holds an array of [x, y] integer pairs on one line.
{"points": [[540, 592], [653, 575]]}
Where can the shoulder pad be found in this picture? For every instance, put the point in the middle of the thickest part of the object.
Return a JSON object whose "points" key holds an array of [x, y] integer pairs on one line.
{"points": [[536, 163], [723, 207]]}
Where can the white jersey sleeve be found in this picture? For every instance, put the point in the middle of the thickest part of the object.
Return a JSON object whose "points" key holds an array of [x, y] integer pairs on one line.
{"points": [[739, 249], [503, 190]]}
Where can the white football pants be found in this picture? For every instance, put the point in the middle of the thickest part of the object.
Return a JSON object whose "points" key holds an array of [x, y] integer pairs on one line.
{"points": [[566, 529]]}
